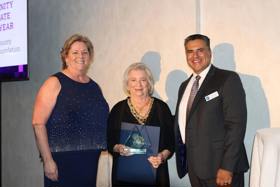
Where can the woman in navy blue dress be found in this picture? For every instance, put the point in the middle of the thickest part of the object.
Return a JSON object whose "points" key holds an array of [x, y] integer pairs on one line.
{"points": [[69, 119]]}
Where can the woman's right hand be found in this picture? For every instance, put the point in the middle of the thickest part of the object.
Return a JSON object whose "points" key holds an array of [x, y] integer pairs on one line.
{"points": [[50, 170], [122, 150]]}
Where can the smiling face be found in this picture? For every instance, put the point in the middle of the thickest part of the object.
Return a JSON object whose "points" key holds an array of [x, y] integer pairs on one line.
{"points": [[78, 57], [137, 84], [198, 55]]}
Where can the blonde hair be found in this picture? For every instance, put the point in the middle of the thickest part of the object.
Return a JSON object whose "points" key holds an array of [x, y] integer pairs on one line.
{"points": [[68, 43]]}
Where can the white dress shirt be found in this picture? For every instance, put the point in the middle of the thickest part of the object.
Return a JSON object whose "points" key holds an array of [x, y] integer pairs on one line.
{"points": [[182, 114]]}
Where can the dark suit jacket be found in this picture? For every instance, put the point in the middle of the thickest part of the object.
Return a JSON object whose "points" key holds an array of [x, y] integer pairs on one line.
{"points": [[216, 126]]}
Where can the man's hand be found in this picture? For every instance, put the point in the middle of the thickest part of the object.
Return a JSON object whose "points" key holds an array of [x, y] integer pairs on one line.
{"points": [[224, 177]]}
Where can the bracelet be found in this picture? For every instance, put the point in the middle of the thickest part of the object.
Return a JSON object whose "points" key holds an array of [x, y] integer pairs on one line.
{"points": [[162, 157]]}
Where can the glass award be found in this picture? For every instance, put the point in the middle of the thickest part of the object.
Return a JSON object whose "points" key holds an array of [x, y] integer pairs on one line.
{"points": [[142, 141], [138, 141]]}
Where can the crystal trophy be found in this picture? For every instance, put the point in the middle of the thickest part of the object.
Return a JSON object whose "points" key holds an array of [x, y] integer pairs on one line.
{"points": [[138, 141]]}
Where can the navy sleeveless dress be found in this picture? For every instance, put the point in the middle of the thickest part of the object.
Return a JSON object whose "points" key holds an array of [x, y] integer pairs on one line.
{"points": [[77, 132]]}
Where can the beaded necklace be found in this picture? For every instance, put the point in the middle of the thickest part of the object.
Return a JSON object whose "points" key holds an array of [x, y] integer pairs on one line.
{"points": [[141, 119]]}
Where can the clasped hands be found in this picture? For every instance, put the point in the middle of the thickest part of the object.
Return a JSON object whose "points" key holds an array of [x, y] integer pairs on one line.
{"points": [[155, 161]]}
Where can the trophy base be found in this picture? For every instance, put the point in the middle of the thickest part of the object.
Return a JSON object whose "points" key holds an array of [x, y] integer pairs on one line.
{"points": [[134, 151]]}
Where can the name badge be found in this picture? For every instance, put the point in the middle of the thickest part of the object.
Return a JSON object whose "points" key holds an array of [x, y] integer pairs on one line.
{"points": [[211, 96]]}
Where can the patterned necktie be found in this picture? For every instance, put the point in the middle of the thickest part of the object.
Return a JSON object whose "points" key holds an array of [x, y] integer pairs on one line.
{"points": [[192, 94]]}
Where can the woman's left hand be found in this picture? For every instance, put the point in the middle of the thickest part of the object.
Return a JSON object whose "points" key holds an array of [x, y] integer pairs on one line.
{"points": [[156, 160]]}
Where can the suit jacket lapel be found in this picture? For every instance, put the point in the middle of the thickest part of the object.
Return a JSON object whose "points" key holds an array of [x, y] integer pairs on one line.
{"points": [[181, 93]]}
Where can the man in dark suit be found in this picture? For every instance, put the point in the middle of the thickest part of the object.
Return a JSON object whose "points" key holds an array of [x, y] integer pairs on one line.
{"points": [[210, 129]]}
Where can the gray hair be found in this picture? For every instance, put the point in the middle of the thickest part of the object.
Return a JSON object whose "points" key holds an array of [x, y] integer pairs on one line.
{"points": [[139, 66]]}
